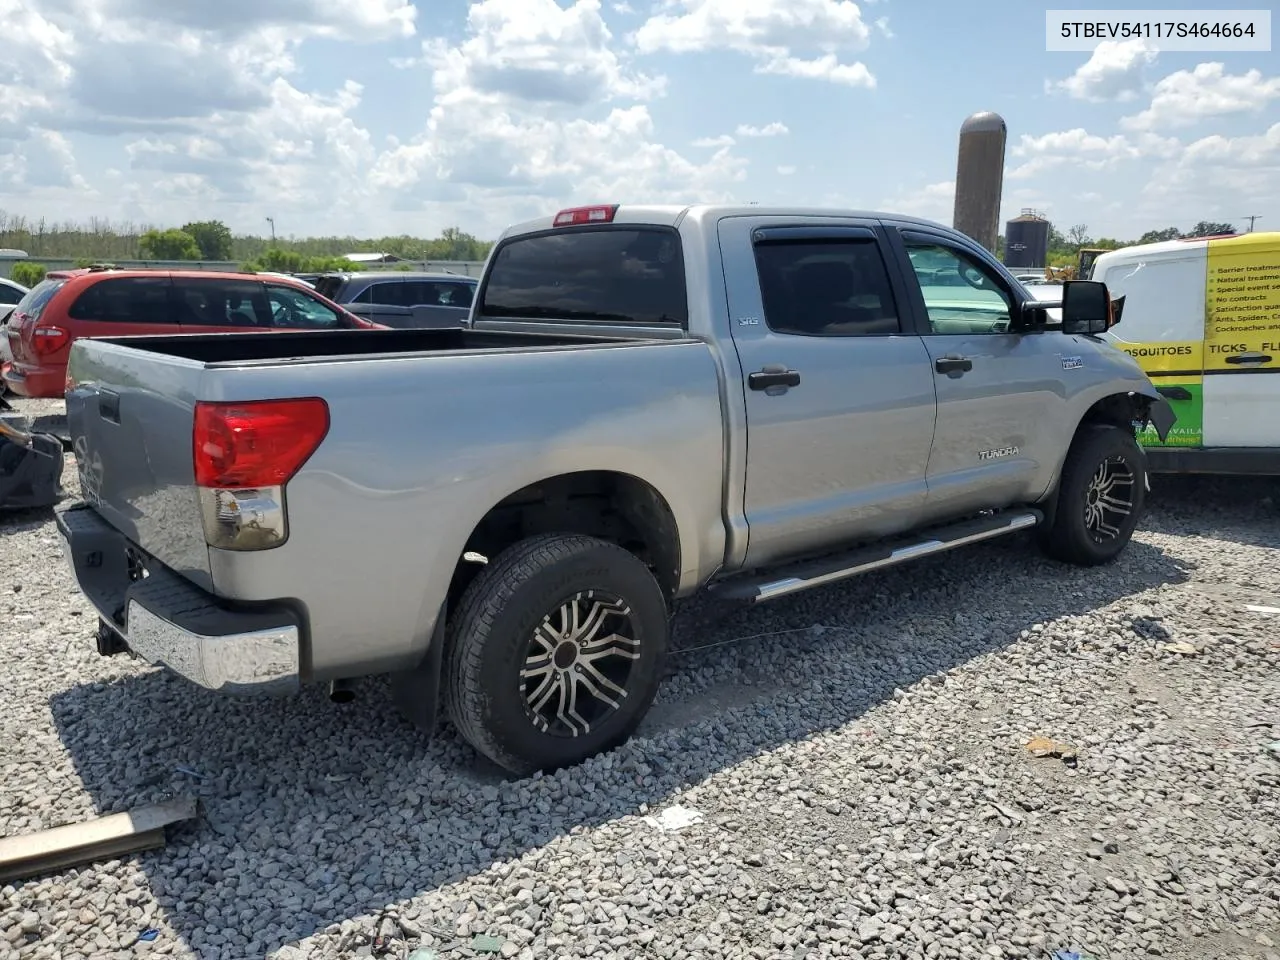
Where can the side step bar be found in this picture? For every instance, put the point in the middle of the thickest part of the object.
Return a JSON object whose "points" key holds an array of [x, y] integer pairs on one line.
{"points": [[817, 573]]}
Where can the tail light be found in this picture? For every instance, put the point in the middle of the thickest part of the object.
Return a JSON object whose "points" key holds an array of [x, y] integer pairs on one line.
{"points": [[46, 341], [245, 454], [576, 215]]}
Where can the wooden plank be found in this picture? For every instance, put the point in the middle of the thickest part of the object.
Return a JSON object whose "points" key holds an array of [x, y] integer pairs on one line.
{"points": [[103, 838]]}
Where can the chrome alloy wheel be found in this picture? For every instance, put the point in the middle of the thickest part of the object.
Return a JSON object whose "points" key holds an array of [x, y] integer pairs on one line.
{"points": [[579, 664], [1108, 499]]}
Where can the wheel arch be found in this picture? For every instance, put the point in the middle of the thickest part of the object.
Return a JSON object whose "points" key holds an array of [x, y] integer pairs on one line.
{"points": [[1121, 409], [613, 505]]}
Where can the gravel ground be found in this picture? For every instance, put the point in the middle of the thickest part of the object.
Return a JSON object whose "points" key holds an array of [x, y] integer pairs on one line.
{"points": [[861, 770]]}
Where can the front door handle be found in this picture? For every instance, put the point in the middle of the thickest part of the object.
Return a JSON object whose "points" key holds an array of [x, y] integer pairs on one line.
{"points": [[1249, 358], [764, 379], [953, 365]]}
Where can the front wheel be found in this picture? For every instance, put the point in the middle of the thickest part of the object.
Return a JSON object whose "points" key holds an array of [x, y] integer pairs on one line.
{"points": [[1100, 497], [556, 652]]}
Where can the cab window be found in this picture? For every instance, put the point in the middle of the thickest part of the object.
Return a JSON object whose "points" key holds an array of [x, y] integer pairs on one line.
{"points": [[961, 295]]}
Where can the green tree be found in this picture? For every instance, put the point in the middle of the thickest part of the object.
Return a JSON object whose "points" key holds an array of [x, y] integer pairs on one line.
{"points": [[212, 237], [27, 273], [168, 244], [1208, 228], [1157, 236]]}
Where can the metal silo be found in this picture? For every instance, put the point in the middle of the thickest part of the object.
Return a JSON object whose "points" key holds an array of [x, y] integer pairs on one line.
{"points": [[1026, 240], [980, 178]]}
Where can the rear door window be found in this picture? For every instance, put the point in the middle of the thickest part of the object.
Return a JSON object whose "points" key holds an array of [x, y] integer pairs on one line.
{"points": [[38, 297], [390, 294], [125, 300], [211, 302], [10, 294], [615, 274]]}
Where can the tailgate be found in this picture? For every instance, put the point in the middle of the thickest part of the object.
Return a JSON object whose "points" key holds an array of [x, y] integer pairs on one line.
{"points": [[130, 416]]}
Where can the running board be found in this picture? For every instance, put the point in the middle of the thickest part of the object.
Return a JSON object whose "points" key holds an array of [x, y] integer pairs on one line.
{"points": [[816, 573]]}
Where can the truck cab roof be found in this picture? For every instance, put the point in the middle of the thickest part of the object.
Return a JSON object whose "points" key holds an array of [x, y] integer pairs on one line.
{"points": [[672, 214]]}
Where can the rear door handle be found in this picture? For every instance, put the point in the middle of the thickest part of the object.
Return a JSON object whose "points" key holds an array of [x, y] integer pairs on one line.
{"points": [[1174, 393], [956, 365], [764, 379], [1249, 358]]}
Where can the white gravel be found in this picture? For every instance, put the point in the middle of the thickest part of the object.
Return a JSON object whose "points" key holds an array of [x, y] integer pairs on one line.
{"points": [[863, 779]]}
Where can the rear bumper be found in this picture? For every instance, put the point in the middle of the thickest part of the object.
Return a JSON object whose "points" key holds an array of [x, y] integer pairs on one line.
{"points": [[35, 382], [168, 621]]}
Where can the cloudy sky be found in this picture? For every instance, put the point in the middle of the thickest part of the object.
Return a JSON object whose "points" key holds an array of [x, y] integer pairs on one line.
{"points": [[369, 117]]}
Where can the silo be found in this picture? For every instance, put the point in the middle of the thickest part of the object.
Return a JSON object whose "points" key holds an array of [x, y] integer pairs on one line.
{"points": [[980, 178], [1026, 240]]}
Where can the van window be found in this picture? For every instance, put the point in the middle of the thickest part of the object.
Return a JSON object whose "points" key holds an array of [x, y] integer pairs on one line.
{"points": [[125, 300], [38, 298], [1164, 298], [615, 274], [211, 302]]}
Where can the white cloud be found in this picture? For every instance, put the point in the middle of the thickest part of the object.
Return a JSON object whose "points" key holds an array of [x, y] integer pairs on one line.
{"points": [[786, 171], [538, 51], [511, 128], [882, 24], [935, 201], [1114, 72], [1186, 97], [724, 140], [774, 129], [1076, 146], [776, 33], [826, 67]]}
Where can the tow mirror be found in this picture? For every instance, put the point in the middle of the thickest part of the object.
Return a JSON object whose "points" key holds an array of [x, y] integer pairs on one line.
{"points": [[1086, 307]]}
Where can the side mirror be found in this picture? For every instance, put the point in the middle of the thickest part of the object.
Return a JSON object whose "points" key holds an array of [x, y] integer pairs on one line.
{"points": [[1086, 307]]}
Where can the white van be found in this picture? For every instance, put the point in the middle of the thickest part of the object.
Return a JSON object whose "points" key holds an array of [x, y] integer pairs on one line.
{"points": [[1202, 316]]}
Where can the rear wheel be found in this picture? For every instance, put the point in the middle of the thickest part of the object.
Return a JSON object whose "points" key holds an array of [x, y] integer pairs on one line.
{"points": [[556, 652], [1100, 497]]}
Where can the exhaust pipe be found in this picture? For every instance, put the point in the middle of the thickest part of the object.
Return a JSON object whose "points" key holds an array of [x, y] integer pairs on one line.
{"points": [[342, 691]]}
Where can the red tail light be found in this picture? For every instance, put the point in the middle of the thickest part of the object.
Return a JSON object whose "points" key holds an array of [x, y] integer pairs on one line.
{"points": [[46, 341], [260, 443], [577, 215]]}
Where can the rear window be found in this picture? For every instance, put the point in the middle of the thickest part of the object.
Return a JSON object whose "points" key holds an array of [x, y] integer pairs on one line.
{"points": [[38, 298], [330, 287], [616, 274], [125, 300]]}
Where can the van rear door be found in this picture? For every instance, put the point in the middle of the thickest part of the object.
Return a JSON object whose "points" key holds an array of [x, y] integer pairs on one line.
{"points": [[1242, 341]]}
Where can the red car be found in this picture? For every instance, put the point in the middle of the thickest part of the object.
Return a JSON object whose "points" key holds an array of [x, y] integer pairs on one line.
{"points": [[70, 304]]}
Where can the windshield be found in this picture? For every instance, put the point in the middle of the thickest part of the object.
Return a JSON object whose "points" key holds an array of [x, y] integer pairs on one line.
{"points": [[614, 274]]}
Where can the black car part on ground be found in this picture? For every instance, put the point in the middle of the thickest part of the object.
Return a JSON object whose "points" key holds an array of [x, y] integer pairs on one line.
{"points": [[30, 468]]}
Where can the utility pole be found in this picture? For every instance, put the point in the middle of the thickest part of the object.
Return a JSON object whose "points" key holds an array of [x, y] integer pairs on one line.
{"points": [[1251, 220], [272, 221]]}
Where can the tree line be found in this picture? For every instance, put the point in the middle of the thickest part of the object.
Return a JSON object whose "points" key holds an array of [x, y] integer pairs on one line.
{"points": [[1064, 247], [103, 240]]}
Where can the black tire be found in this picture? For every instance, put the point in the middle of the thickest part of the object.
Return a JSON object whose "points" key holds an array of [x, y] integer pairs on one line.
{"points": [[1083, 530], [520, 595]]}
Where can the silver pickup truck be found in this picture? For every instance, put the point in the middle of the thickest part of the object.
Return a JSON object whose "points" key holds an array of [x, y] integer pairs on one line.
{"points": [[646, 402]]}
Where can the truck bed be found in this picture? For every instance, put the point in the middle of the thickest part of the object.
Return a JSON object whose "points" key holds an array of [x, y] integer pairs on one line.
{"points": [[240, 348]]}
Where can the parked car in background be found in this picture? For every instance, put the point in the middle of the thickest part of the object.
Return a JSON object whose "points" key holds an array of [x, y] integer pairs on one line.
{"points": [[71, 304], [11, 292], [402, 299]]}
